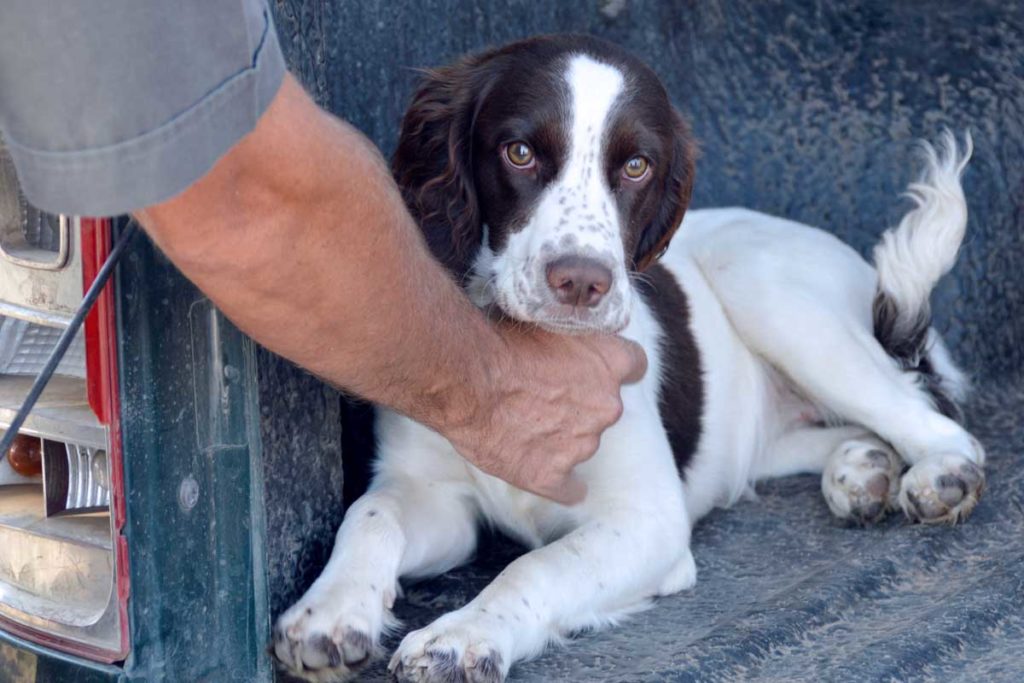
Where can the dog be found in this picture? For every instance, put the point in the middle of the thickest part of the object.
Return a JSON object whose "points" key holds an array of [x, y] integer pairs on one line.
{"points": [[549, 176]]}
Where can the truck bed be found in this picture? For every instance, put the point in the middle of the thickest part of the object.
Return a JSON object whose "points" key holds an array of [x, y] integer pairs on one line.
{"points": [[808, 110], [787, 593]]}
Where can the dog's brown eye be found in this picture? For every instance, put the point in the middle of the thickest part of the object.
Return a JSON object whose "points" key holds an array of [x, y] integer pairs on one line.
{"points": [[519, 154], [636, 168]]}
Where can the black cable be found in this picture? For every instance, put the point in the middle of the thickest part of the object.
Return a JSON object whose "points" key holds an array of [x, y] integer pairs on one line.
{"points": [[68, 335]]}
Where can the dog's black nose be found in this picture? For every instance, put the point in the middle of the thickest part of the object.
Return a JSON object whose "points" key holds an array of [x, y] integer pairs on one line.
{"points": [[578, 281]]}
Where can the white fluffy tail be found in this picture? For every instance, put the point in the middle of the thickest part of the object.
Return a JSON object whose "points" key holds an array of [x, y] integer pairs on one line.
{"points": [[912, 257]]}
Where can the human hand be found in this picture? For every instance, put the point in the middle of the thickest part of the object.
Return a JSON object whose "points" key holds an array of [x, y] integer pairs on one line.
{"points": [[550, 399]]}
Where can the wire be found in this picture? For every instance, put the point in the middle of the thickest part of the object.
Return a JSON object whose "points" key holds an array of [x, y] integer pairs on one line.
{"points": [[65, 339]]}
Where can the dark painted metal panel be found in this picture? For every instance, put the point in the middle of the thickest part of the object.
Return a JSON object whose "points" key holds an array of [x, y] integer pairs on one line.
{"points": [[193, 481]]}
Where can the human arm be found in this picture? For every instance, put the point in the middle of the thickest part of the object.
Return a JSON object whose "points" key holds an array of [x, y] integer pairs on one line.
{"points": [[300, 236]]}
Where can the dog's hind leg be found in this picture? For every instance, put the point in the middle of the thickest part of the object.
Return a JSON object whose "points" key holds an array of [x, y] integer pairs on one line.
{"points": [[803, 450], [840, 366], [399, 528], [843, 368], [860, 473]]}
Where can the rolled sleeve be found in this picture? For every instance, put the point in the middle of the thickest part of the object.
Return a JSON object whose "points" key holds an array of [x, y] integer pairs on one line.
{"points": [[112, 105]]}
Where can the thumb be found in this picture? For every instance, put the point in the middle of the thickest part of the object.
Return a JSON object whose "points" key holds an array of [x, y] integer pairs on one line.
{"points": [[629, 363], [572, 491]]}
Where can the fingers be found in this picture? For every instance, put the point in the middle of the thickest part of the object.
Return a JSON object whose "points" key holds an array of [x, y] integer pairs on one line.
{"points": [[629, 362], [551, 402], [569, 491], [554, 476], [625, 357]]}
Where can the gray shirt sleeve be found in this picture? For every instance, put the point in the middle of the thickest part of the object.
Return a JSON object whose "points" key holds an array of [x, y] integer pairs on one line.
{"points": [[108, 106]]}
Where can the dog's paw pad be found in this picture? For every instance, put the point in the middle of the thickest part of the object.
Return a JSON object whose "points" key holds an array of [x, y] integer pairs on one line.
{"points": [[941, 489], [860, 482], [328, 637], [438, 655], [445, 666]]}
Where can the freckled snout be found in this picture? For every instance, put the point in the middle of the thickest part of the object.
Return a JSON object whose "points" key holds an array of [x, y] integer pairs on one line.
{"points": [[578, 281]]}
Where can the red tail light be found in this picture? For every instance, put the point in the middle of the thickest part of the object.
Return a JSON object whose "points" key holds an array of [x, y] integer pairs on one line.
{"points": [[76, 510], [102, 388]]}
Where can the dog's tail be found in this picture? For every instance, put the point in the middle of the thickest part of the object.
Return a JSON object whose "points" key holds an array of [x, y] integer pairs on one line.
{"points": [[912, 258]]}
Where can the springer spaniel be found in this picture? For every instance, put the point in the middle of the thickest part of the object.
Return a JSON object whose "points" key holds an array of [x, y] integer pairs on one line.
{"points": [[549, 176]]}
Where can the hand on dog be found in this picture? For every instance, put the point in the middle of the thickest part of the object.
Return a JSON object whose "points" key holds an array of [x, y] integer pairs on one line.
{"points": [[551, 397]]}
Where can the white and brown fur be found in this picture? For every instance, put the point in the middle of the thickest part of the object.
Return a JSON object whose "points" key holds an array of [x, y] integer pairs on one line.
{"points": [[773, 349]]}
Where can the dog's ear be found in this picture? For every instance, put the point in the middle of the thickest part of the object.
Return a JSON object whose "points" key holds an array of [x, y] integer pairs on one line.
{"points": [[676, 188], [433, 163]]}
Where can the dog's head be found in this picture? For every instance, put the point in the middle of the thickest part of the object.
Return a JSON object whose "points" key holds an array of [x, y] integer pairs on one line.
{"points": [[544, 173]]}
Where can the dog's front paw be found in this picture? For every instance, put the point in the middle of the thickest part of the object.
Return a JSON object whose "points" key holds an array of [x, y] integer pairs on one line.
{"points": [[941, 489], [332, 633], [860, 482], [453, 649]]}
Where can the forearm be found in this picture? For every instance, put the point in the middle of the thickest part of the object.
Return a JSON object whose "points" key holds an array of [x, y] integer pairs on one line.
{"points": [[300, 237]]}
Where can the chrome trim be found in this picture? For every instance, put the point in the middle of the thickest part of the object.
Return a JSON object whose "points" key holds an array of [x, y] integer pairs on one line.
{"points": [[63, 249], [62, 413], [84, 492], [34, 315]]}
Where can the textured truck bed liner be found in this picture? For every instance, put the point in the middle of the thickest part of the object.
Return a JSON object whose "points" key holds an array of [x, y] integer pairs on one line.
{"points": [[785, 593]]}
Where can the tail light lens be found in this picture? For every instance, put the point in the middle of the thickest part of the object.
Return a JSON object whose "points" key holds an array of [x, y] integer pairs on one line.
{"points": [[63, 560]]}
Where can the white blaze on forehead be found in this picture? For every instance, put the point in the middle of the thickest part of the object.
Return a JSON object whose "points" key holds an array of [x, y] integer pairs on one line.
{"points": [[594, 88], [577, 211]]}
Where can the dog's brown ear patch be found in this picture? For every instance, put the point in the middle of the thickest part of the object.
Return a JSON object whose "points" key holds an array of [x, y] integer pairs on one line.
{"points": [[433, 163], [676, 190]]}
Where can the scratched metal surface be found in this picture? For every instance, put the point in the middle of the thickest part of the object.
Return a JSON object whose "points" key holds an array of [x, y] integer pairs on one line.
{"points": [[808, 110]]}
